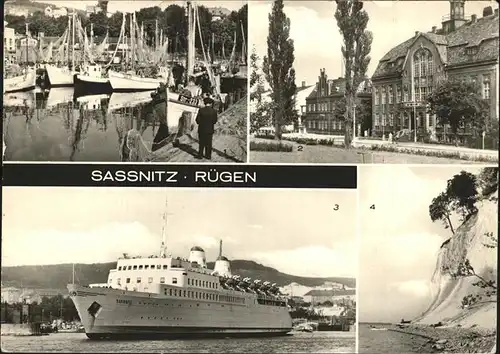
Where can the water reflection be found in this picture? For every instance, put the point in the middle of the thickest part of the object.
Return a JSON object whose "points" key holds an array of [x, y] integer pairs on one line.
{"points": [[57, 126]]}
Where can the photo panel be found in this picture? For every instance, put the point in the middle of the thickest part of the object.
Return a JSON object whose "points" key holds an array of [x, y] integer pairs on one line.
{"points": [[413, 82], [111, 81], [156, 263], [428, 247]]}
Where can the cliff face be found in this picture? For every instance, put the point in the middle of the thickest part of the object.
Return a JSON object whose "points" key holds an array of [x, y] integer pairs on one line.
{"points": [[467, 243]]}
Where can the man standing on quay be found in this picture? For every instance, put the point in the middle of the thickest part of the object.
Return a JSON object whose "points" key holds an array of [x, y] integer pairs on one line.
{"points": [[206, 119]]}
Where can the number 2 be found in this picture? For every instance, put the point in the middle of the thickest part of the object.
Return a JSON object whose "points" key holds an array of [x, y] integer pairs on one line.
{"points": [[300, 148]]}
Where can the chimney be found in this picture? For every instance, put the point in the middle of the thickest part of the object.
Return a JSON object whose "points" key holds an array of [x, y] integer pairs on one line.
{"points": [[473, 18], [303, 84], [434, 29], [487, 11], [416, 33]]}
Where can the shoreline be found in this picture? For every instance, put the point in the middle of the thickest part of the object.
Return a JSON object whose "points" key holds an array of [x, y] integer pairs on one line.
{"points": [[452, 339]]}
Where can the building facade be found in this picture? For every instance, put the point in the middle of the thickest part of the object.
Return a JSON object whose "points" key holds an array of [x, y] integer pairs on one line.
{"points": [[9, 44], [319, 116], [464, 48], [317, 296]]}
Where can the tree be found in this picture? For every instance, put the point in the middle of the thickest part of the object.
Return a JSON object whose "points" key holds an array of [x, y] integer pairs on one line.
{"points": [[278, 66], [458, 104], [462, 191], [488, 180], [259, 117], [440, 209], [352, 21], [103, 5]]}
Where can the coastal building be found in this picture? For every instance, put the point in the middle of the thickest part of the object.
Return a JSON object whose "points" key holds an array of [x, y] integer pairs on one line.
{"points": [[319, 112], [318, 296], [55, 12], [464, 48], [9, 44], [10, 294]]}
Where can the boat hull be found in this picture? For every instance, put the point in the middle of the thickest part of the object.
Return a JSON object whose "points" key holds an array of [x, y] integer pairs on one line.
{"points": [[20, 83], [131, 83], [59, 77], [113, 314], [94, 85], [170, 111]]}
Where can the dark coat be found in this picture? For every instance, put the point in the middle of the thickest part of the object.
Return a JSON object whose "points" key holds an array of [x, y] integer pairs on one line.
{"points": [[206, 119]]}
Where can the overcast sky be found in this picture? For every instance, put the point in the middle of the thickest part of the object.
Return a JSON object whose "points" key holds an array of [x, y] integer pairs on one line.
{"points": [[295, 231], [399, 243], [129, 6], [318, 41]]}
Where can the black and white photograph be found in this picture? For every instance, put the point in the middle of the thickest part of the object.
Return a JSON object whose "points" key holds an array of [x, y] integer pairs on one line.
{"points": [[428, 259], [125, 81], [385, 82], [83, 268]]}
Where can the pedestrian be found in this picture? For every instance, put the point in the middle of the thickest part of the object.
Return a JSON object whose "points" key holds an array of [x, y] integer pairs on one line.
{"points": [[206, 119]]}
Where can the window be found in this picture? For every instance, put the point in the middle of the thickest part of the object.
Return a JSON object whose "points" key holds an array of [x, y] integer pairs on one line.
{"points": [[138, 280], [174, 280], [127, 281], [162, 280], [383, 95], [406, 97], [129, 267], [398, 93], [140, 267], [158, 266], [152, 266], [170, 292], [175, 292], [119, 268], [391, 119], [391, 95], [189, 281], [184, 293], [118, 281], [165, 266], [135, 267], [150, 279], [146, 267], [377, 97], [422, 77]]}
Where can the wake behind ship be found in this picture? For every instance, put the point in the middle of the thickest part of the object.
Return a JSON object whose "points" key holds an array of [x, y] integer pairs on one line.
{"points": [[167, 297]]}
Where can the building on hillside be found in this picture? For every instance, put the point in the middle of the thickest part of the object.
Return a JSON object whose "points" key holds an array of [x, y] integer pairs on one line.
{"points": [[9, 44], [319, 111], [16, 10], [55, 12], [31, 296], [464, 48], [91, 9], [318, 296]]}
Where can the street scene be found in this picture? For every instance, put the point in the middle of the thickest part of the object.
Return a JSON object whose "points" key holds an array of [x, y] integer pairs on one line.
{"points": [[373, 82]]}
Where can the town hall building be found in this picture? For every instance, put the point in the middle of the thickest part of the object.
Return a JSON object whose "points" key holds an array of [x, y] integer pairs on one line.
{"points": [[463, 48]]}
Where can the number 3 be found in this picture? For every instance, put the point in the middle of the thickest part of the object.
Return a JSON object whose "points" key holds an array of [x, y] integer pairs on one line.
{"points": [[336, 207]]}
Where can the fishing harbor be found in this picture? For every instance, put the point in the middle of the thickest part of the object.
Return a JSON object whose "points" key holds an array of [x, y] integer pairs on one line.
{"points": [[148, 87]]}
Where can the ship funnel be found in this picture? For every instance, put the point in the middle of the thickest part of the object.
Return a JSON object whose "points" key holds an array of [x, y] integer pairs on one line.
{"points": [[197, 255], [222, 265]]}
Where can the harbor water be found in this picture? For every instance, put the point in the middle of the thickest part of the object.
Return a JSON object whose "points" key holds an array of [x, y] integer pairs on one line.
{"points": [[57, 126], [316, 342], [385, 342]]}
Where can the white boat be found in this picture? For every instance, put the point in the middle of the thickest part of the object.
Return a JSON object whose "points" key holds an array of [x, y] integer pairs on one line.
{"points": [[59, 77], [171, 297], [92, 80], [129, 83], [23, 82], [91, 102]]}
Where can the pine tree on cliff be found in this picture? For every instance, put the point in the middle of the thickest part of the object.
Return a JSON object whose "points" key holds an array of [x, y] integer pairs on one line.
{"points": [[352, 21], [278, 67]]}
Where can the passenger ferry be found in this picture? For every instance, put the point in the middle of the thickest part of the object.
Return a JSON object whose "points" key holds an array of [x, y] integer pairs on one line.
{"points": [[172, 297]]}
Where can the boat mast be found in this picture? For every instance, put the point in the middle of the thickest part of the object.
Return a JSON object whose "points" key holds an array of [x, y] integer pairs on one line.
{"points": [[156, 35], [73, 273], [27, 47], [69, 37], [190, 61], [73, 43]]}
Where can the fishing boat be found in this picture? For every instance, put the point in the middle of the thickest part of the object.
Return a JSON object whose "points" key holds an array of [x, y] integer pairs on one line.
{"points": [[128, 82], [24, 82]]}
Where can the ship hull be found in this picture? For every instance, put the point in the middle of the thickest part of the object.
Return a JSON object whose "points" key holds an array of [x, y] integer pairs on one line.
{"points": [[59, 77], [113, 314], [131, 83], [20, 83], [94, 85], [170, 110]]}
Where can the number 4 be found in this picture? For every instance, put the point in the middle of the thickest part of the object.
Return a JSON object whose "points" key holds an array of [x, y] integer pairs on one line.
{"points": [[372, 206]]}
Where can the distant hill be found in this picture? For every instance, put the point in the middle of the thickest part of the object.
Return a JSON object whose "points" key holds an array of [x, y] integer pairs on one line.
{"points": [[57, 276]]}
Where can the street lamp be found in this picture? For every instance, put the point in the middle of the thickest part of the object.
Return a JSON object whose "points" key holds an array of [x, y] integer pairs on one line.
{"points": [[483, 134], [415, 121]]}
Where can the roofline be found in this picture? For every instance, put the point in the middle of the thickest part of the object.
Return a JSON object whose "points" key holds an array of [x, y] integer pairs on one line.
{"points": [[468, 64]]}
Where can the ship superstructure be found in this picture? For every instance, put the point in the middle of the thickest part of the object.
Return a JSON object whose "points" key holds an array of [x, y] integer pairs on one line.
{"points": [[165, 296]]}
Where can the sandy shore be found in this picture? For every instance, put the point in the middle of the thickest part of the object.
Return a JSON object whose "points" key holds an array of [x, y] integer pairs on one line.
{"points": [[452, 339]]}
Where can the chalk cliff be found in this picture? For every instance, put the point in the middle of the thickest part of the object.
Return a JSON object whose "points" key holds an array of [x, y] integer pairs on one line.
{"points": [[467, 243]]}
